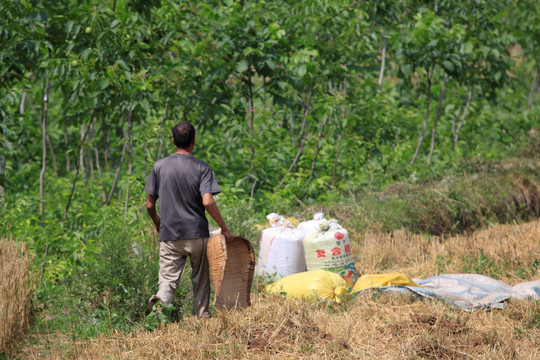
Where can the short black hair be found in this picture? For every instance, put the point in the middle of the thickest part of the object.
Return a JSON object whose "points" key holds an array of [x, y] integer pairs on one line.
{"points": [[183, 134]]}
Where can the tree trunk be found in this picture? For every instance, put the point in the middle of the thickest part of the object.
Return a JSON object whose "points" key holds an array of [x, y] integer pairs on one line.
{"points": [[437, 116], [121, 162], [282, 120], [463, 115], [82, 165], [426, 118], [251, 121], [45, 109], [454, 120], [107, 144], [22, 110], [77, 168], [317, 150], [66, 145], [89, 157], [49, 143], [383, 64], [336, 159], [303, 136], [534, 85], [160, 147], [98, 166], [252, 192], [130, 165], [340, 136], [291, 128]]}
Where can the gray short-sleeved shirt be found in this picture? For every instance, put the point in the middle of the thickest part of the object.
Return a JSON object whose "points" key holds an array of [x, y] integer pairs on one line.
{"points": [[179, 181]]}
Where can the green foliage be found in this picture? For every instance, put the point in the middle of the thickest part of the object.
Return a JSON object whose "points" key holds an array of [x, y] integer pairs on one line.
{"points": [[106, 281], [160, 315], [482, 264], [449, 206]]}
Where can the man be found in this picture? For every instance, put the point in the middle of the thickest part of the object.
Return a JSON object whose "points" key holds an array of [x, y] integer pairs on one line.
{"points": [[185, 187]]}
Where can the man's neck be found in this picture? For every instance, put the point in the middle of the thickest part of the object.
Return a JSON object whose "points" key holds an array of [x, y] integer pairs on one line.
{"points": [[183, 151]]}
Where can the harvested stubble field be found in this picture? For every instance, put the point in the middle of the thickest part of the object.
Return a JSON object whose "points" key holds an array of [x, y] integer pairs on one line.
{"points": [[370, 325], [15, 292]]}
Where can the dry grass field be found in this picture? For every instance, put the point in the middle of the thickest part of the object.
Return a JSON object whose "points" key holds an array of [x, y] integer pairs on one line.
{"points": [[15, 292], [368, 326]]}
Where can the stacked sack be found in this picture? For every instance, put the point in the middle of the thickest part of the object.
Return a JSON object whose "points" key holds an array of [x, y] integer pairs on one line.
{"points": [[281, 251], [307, 227], [328, 247]]}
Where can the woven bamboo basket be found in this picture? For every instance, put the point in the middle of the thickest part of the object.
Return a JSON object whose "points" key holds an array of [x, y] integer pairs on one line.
{"points": [[231, 271]]}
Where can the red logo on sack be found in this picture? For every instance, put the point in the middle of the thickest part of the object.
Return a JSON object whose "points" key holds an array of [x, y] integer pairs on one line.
{"points": [[321, 253], [339, 235]]}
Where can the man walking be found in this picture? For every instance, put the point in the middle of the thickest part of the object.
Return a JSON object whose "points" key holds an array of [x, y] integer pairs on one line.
{"points": [[185, 187]]}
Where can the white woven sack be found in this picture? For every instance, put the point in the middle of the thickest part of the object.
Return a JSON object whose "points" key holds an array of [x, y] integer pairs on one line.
{"points": [[310, 226], [281, 251]]}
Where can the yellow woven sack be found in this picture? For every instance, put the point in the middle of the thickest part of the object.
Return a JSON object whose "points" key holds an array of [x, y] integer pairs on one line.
{"points": [[312, 285], [377, 280]]}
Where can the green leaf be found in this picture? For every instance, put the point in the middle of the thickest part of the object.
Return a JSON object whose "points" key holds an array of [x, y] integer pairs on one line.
{"points": [[242, 66], [69, 26], [301, 70], [406, 69], [104, 83], [270, 64], [249, 50], [467, 48], [448, 65]]}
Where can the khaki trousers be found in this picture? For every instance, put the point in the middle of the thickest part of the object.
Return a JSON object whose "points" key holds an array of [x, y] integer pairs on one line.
{"points": [[172, 259]]}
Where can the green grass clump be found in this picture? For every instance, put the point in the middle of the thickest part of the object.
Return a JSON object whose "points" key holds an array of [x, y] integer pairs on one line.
{"points": [[452, 206]]}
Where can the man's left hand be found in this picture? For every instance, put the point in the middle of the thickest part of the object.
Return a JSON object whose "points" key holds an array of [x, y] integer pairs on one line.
{"points": [[228, 235]]}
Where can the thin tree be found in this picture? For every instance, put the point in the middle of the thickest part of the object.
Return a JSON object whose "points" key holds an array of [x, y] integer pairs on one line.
{"points": [[160, 147], [426, 116], [317, 150], [66, 144], [45, 109], [383, 64], [66, 209], [251, 122], [465, 106], [98, 165], [130, 165], [303, 135], [121, 162], [82, 164], [534, 84], [47, 138], [437, 116]]}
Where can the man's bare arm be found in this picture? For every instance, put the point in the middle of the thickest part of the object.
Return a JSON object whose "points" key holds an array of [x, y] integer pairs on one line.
{"points": [[151, 208], [212, 208]]}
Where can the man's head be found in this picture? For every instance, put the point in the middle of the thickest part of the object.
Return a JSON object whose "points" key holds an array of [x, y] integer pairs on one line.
{"points": [[183, 135]]}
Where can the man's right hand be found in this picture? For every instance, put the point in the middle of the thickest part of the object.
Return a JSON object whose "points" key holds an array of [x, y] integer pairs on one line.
{"points": [[158, 224]]}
